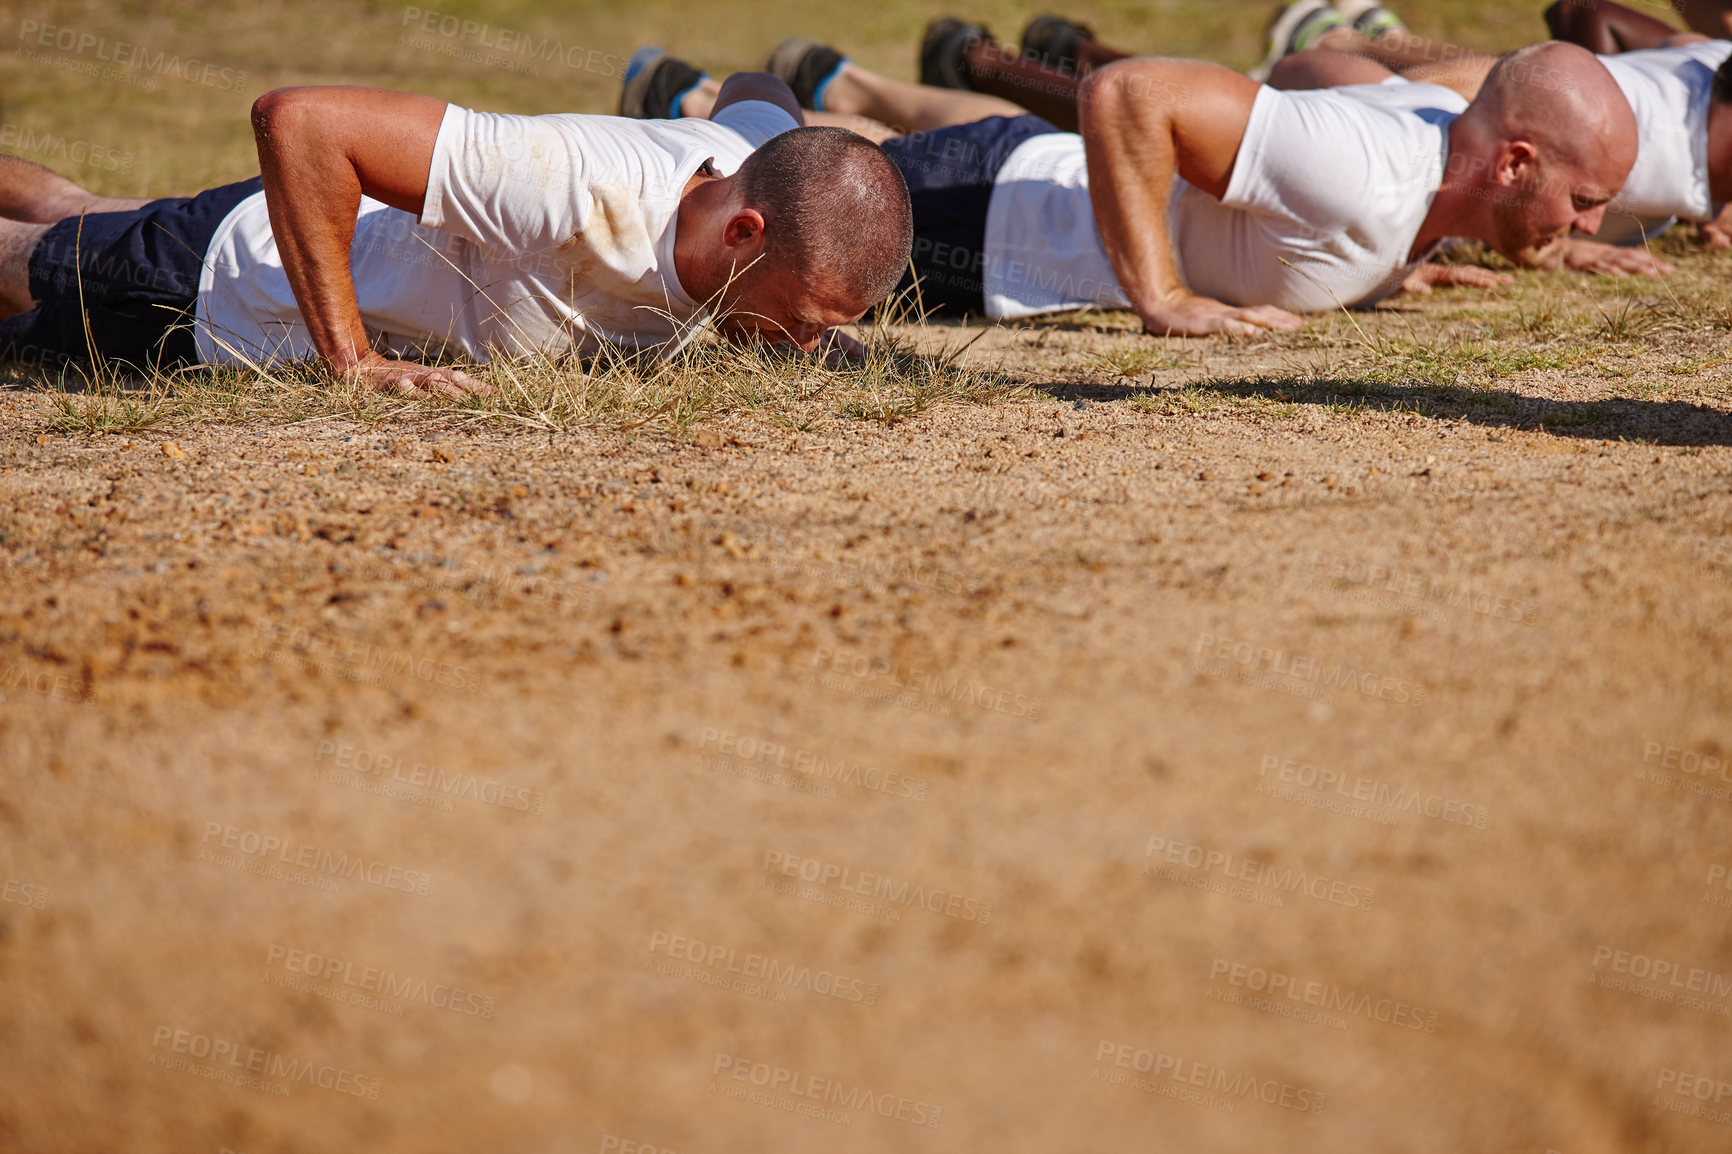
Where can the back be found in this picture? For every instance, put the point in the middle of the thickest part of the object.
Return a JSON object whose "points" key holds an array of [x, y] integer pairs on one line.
{"points": [[1669, 90]]}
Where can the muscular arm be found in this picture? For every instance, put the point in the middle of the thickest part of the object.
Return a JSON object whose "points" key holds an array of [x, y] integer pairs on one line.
{"points": [[1143, 121], [320, 151]]}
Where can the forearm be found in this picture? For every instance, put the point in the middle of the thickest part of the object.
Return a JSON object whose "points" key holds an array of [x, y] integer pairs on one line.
{"points": [[321, 150]]}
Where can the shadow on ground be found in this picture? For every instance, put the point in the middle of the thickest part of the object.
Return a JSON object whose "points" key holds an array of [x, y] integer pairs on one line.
{"points": [[1657, 422]]}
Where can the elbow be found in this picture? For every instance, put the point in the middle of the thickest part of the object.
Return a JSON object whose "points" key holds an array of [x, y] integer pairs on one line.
{"points": [[1106, 95], [274, 109]]}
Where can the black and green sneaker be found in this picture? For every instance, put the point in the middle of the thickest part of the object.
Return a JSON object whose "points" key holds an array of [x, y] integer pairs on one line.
{"points": [[808, 68], [1053, 41], [655, 83], [942, 51]]}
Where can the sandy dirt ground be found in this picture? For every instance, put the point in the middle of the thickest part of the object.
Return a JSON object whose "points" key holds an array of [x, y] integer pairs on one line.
{"points": [[1316, 744], [1231, 758]]}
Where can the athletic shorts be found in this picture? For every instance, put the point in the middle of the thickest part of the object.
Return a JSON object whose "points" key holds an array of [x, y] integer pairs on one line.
{"points": [[950, 174], [135, 274]]}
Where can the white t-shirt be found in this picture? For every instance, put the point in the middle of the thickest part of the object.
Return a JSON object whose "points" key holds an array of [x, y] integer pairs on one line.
{"points": [[1327, 195], [539, 234], [1669, 89]]}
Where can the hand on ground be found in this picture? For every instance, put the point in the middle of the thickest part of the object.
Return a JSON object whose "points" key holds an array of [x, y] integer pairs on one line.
{"points": [[1196, 316], [410, 379], [841, 351], [1613, 260], [1428, 276]]}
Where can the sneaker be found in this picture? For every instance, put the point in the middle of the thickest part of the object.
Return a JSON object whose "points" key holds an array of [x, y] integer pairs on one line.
{"points": [[1352, 10], [1053, 41], [942, 49], [1296, 27], [655, 83], [1370, 20], [808, 68]]}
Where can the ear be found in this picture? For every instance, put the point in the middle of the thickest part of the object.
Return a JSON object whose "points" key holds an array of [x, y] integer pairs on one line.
{"points": [[744, 229], [1516, 162]]}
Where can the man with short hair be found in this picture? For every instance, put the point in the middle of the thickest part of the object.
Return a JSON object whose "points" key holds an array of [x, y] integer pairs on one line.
{"points": [[1208, 203], [387, 225]]}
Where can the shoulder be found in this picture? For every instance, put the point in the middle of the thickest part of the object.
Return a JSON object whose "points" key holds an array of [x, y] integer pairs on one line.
{"points": [[1323, 157], [1340, 125]]}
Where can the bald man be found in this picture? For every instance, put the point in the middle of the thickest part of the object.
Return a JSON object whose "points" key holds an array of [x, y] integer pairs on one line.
{"points": [[1680, 89], [1317, 196]]}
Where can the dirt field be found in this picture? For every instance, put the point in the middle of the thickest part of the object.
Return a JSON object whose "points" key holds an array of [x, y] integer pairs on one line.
{"points": [[1317, 744]]}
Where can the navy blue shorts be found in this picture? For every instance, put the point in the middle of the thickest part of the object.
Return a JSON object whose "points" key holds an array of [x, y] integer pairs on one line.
{"points": [[950, 173], [139, 274]]}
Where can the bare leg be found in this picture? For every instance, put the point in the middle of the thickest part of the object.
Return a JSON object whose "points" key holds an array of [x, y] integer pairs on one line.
{"points": [[1465, 76], [1397, 49], [1603, 27], [17, 242], [1092, 54], [700, 100], [29, 192], [1005, 72], [908, 107], [1712, 18], [1321, 68]]}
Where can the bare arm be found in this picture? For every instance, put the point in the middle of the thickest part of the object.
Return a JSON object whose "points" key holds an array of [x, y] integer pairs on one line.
{"points": [[1143, 120], [320, 151]]}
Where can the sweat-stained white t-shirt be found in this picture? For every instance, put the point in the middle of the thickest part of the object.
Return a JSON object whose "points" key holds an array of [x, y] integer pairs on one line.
{"points": [[1327, 196], [1669, 89], [538, 235]]}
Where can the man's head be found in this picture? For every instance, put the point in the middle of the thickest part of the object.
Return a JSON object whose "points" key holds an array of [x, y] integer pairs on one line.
{"points": [[813, 230], [1547, 143]]}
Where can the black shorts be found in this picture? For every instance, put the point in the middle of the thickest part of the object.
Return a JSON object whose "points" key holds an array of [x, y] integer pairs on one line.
{"points": [[135, 274], [950, 174]]}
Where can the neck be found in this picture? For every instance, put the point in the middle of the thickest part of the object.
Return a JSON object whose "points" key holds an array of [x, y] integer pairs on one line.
{"points": [[702, 202], [1719, 151], [1456, 210]]}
